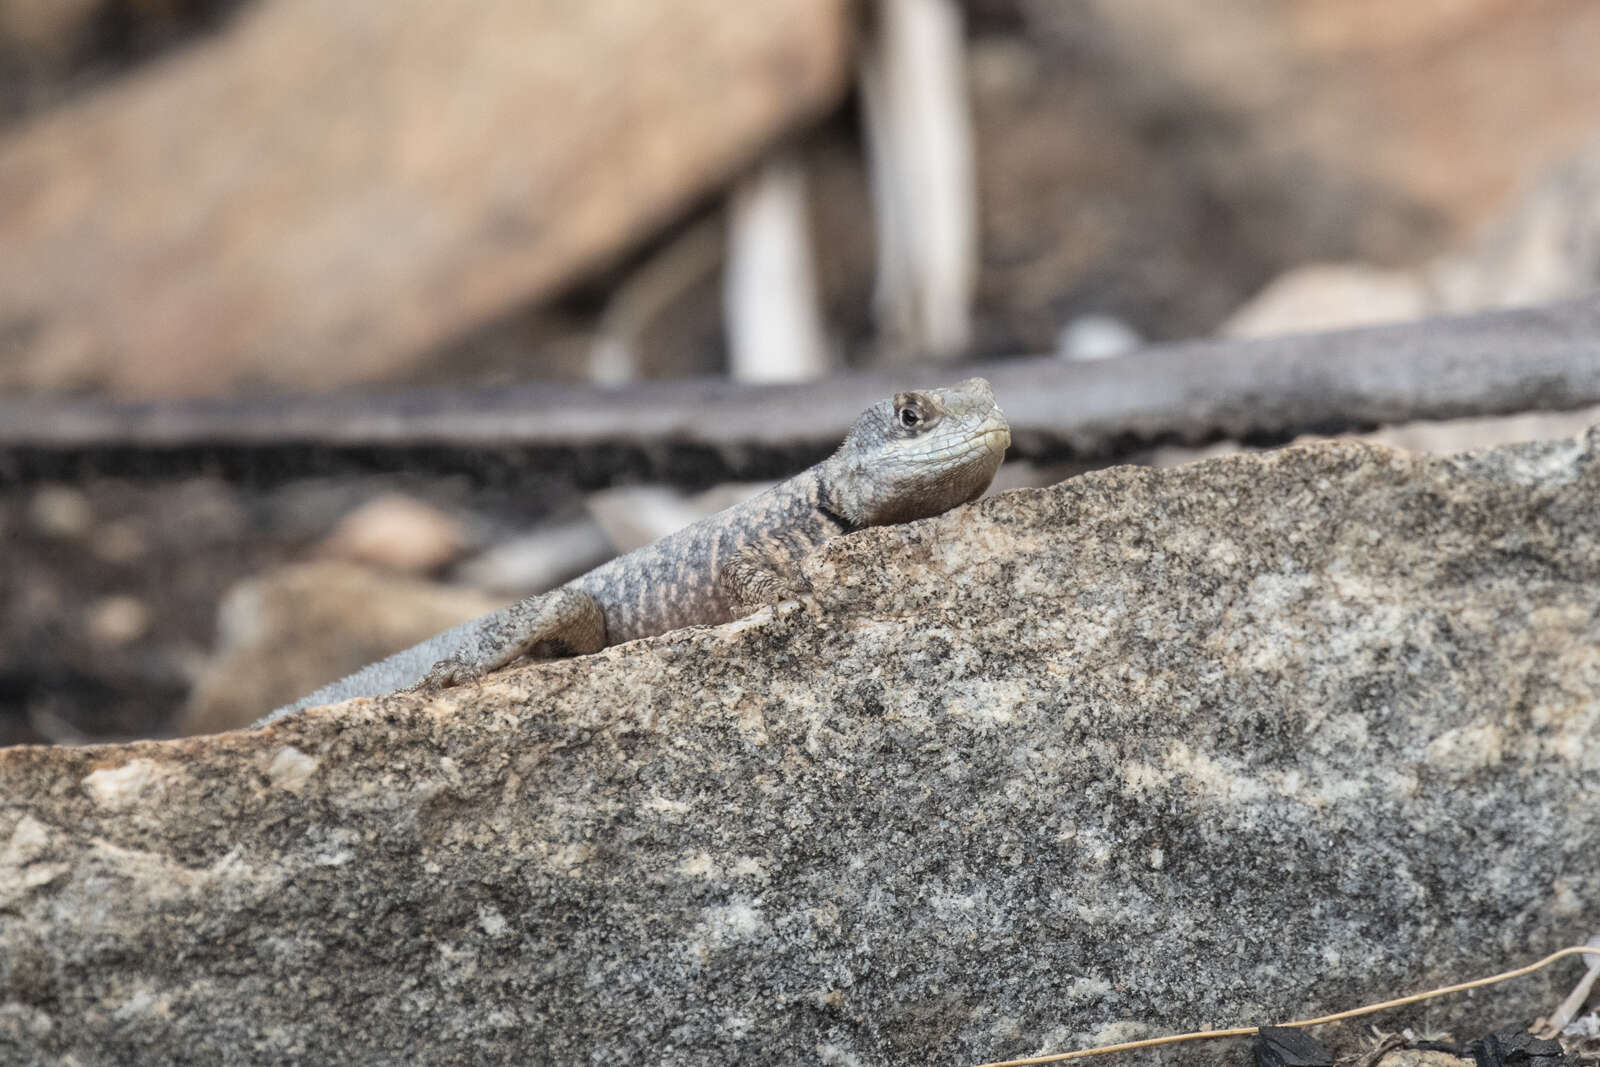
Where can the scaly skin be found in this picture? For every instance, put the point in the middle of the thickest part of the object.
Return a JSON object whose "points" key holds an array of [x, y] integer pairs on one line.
{"points": [[911, 457]]}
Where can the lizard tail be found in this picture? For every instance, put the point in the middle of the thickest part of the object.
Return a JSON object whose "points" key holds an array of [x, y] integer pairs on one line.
{"points": [[403, 669], [564, 621]]}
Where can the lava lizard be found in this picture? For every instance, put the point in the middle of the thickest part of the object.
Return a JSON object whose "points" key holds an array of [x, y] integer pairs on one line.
{"points": [[911, 457]]}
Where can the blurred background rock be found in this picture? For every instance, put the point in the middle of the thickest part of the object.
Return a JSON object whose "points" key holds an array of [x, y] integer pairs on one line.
{"points": [[200, 198]]}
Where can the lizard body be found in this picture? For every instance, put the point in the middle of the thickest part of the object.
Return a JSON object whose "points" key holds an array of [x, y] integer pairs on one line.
{"points": [[911, 457]]}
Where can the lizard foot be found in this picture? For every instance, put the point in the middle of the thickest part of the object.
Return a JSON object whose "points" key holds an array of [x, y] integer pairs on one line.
{"points": [[446, 674]]}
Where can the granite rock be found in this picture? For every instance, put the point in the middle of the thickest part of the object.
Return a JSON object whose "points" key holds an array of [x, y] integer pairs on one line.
{"points": [[1257, 738]]}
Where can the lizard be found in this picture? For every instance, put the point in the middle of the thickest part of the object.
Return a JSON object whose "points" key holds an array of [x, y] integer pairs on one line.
{"points": [[913, 456]]}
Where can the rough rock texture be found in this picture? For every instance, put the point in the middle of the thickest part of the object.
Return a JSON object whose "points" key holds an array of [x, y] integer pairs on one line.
{"points": [[1237, 742], [323, 191]]}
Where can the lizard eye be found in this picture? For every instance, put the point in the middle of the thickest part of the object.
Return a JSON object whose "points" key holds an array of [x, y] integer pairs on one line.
{"points": [[909, 417]]}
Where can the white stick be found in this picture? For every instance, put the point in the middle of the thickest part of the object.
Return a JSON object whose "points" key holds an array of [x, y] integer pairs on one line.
{"points": [[769, 289], [919, 135]]}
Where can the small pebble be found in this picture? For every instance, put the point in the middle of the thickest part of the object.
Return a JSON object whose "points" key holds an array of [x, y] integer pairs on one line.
{"points": [[60, 511], [1091, 337], [395, 532], [115, 621]]}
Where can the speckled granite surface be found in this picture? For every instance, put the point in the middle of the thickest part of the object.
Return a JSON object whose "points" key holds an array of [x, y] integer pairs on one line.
{"points": [[1260, 737]]}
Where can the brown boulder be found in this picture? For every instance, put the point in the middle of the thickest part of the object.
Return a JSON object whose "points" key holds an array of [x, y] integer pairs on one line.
{"points": [[1162, 160], [1444, 106], [322, 192], [302, 626]]}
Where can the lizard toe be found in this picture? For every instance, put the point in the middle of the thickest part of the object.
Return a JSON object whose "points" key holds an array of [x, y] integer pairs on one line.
{"points": [[445, 674]]}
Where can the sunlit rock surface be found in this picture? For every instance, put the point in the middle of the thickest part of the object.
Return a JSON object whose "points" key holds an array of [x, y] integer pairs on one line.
{"points": [[1257, 738]]}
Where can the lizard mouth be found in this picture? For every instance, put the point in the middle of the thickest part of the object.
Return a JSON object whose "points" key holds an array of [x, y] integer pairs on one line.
{"points": [[993, 436], [990, 439]]}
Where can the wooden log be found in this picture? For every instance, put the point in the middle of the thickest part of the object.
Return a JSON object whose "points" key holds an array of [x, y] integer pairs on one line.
{"points": [[1262, 391]]}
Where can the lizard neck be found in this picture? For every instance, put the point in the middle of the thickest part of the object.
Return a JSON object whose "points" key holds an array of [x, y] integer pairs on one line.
{"points": [[837, 491]]}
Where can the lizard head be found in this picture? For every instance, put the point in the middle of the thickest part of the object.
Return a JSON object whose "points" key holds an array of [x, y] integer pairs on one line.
{"points": [[918, 454]]}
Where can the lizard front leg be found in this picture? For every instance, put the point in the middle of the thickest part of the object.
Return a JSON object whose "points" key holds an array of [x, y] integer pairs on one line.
{"points": [[767, 571], [563, 622]]}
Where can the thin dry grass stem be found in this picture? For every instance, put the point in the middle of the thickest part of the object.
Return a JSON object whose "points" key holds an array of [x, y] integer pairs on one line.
{"points": [[1247, 1031]]}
